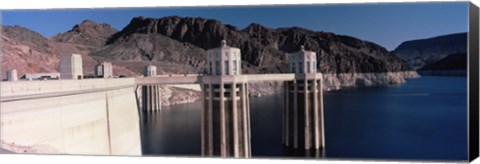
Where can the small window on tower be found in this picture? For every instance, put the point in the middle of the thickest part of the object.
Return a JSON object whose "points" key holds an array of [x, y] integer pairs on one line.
{"points": [[300, 66], [308, 67], [226, 67], [210, 66], [234, 66], [217, 67]]}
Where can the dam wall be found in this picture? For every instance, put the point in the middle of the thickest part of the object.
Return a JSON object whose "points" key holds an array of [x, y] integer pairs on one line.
{"points": [[88, 117]]}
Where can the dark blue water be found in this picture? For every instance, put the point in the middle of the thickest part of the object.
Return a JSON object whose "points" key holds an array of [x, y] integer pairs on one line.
{"points": [[424, 119]]}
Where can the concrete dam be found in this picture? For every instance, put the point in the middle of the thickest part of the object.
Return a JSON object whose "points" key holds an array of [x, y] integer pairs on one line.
{"points": [[92, 117], [101, 116]]}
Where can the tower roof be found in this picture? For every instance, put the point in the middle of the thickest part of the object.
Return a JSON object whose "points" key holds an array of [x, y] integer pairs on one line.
{"points": [[223, 46], [223, 43], [302, 51]]}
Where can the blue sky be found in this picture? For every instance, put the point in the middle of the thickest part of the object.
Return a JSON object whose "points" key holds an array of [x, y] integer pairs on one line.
{"points": [[385, 24]]}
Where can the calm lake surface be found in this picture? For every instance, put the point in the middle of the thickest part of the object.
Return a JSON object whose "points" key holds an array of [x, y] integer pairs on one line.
{"points": [[423, 119]]}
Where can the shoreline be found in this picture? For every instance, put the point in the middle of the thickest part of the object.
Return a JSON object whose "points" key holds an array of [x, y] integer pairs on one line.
{"points": [[181, 95], [442, 72]]}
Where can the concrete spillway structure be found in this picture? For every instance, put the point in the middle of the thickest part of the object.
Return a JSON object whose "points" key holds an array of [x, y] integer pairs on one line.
{"points": [[226, 113], [303, 123], [151, 93], [88, 117]]}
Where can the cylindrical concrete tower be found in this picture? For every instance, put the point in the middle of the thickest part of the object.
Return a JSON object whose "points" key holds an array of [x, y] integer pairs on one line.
{"points": [[226, 113], [151, 93], [12, 75], [303, 125]]}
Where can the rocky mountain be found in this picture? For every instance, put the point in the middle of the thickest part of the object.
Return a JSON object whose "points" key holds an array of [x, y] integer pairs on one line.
{"points": [[263, 49], [88, 33], [29, 52], [178, 44], [169, 55], [23, 48], [418, 53]]}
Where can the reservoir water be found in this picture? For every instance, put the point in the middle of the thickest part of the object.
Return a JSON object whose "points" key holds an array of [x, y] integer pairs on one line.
{"points": [[423, 119]]}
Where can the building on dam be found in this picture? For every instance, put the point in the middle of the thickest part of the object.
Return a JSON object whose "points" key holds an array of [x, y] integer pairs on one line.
{"points": [[151, 96], [226, 113], [303, 129], [71, 66], [104, 70], [12, 75]]}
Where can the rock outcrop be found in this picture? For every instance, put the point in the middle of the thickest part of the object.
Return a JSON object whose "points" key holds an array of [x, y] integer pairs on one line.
{"points": [[174, 95], [263, 49], [169, 55], [88, 33], [341, 80]]}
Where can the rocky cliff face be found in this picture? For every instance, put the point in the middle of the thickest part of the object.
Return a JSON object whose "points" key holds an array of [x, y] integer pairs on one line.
{"points": [[169, 55], [178, 45], [418, 53], [263, 49], [88, 33]]}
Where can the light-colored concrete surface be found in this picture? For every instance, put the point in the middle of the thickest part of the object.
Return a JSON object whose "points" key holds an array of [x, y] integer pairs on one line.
{"points": [[195, 87], [224, 60], [12, 75], [104, 70], [3, 151], [151, 98], [35, 76], [150, 70], [71, 66], [91, 117], [303, 113], [22, 88], [225, 109], [302, 61], [180, 80], [123, 122], [155, 80]]}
